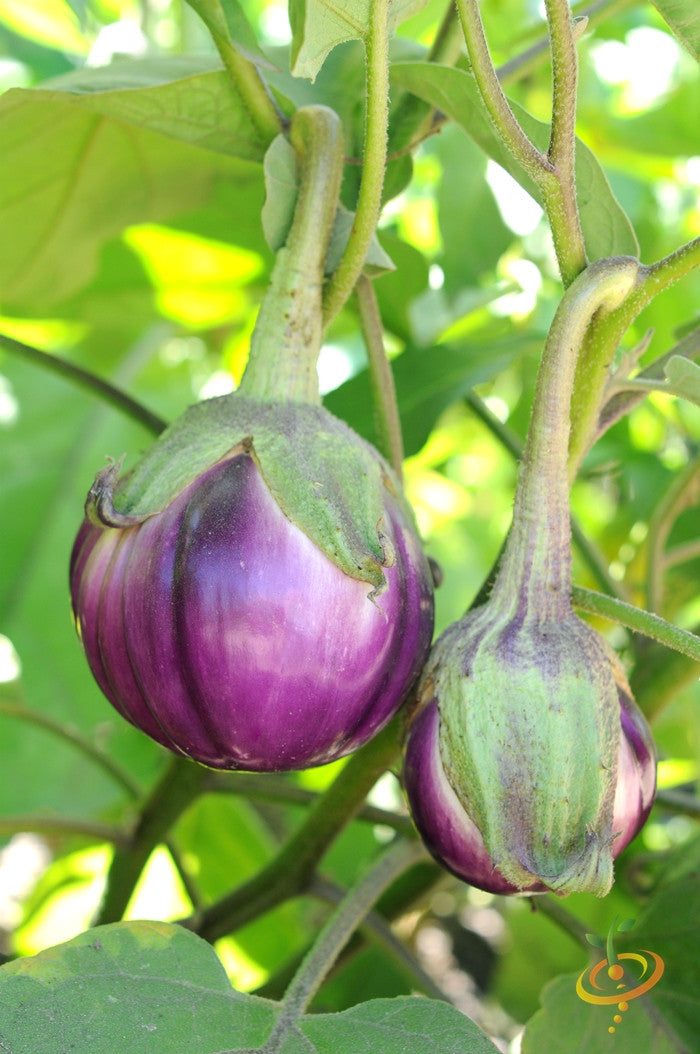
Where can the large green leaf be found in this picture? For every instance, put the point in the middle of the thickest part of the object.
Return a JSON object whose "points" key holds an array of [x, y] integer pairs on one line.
{"points": [[607, 230], [663, 1020], [106, 173], [153, 988], [683, 16], [427, 381], [319, 25]]}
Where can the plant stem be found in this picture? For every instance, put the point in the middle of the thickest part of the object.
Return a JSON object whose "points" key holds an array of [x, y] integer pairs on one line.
{"points": [[268, 787], [93, 753], [536, 565], [288, 333], [336, 933], [678, 802], [388, 422], [369, 198], [103, 389], [552, 908], [499, 110], [61, 826], [567, 232], [590, 555], [291, 871], [639, 621], [247, 82], [683, 492], [178, 788], [660, 675], [593, 369]]}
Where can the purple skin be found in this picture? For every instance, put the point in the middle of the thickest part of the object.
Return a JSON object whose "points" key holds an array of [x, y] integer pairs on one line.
{"points": [[455, 841], [219, 629]]}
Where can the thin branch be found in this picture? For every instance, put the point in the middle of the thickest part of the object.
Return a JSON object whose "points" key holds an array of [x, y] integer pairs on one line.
{"points": [[568, 923], [369, 198], [102, 389], [62, 826], [268, 787], [290, 872], [504, 120], [644, 622], [337, 931], [70, 735], [679, 802], [376, 927], [386, 408]]}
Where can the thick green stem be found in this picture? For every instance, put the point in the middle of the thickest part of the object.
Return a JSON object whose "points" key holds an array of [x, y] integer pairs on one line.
{"points": [[593, 369], [181, 784], [373, 164], [335, 934], [288, 333], [61, 827], [291, 871], [386, 408], [537, 557]]}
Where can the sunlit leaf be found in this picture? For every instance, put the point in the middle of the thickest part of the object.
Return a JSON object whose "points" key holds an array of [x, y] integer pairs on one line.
{"points": [[683, 16], [162, 990], [106, 174], [319, 25], [606, 229], [49, 22]]}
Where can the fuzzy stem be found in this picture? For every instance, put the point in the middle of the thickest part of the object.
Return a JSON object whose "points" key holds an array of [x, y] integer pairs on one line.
{"points": [[537, 557], [336, 933], [639, 621], [567, 232], [247, 82], [373, 165], [287, 337], [498, 107], [381, 378], [593, 368]]}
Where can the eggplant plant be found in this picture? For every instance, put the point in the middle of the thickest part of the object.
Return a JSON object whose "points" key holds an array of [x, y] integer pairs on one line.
{"points": [[384, 317]]}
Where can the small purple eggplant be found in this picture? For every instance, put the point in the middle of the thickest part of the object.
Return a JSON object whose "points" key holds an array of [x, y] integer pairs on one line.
{"points": [[253, 621]]}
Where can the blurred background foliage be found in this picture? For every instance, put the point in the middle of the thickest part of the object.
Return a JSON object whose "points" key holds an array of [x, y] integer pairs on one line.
{"points": [[136, 251]]}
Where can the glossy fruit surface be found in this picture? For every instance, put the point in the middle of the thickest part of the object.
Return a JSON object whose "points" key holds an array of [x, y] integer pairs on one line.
{"points": [[219, 628]]}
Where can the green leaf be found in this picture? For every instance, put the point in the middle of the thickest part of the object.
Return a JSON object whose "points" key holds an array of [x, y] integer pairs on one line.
{"points": [[393, 1026], [154, 988], [141, 987], [49, 22], [106, 173], [683, 17], [319, 25], [663, 1020], [427, 381], [684, 377], [607, 230], [170, 96]]}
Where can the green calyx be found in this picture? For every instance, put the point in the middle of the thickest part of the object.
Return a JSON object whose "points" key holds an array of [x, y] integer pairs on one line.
{"points": [[528, 701], [529, 736], [327, 481]]}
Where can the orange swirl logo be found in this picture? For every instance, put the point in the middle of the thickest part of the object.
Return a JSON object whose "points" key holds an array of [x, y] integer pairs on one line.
{"points": [[619, 978]]}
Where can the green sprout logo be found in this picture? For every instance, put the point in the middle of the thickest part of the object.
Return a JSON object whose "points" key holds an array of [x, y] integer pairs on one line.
{"points": [[618, 979]]}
